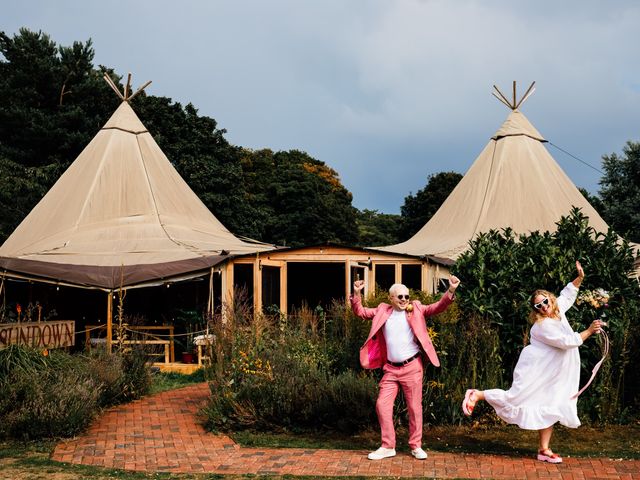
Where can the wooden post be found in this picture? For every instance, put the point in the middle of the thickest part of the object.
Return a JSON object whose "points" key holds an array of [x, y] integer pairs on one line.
{"points": [[257, 285], [109, 319], [227, 289], [284, 298], [210, 303], [424, 274], [347, 280]]}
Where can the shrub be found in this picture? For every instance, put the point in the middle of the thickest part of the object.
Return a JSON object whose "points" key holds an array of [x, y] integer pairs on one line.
{"points": [[122, 376], [469, 352], [136, 377], [51, 403], [44, 393], [287, 391], [55, 394]]}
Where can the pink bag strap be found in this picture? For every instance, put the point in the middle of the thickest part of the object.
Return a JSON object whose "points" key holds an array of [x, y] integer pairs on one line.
{"points": [[605, 352]]}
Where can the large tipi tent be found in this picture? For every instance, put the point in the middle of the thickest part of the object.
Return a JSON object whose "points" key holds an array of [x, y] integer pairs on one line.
{"points": [[120, 216], [513, 183]]}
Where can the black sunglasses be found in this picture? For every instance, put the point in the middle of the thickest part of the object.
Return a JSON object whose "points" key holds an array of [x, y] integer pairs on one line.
{"points": [[400, 297], [539, 305]]}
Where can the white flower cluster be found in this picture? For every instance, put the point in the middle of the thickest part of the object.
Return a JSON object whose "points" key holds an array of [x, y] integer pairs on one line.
{"points": [[596, 298]]}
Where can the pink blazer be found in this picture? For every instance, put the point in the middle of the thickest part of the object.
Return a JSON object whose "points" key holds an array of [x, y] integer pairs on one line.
{"points": [[373, 353]]}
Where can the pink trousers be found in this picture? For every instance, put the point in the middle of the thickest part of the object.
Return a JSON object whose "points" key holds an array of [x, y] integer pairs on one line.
{"points": [[409, 378]]}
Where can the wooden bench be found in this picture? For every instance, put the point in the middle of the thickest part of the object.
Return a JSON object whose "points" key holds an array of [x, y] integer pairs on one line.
{"points": [[166, 343], [148, 338]]}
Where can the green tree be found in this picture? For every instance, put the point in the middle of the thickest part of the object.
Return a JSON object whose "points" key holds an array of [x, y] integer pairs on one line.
{"points": [[376, 228], [300, 200], [620, 191], [419, 208], [594, 200]]}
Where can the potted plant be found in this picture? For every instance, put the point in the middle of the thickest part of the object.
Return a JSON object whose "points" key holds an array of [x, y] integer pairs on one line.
{"points": [[188, 357], [189, 324]]}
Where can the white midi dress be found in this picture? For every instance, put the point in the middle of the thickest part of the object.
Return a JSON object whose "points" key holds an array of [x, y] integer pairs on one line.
{"points": [[546, 376]]}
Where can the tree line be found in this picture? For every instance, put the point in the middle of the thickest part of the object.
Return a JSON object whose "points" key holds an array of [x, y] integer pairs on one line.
{"points": [[54, 101]]}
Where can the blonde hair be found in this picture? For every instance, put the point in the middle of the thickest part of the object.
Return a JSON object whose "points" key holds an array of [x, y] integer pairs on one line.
{"points": [[534, 315]]}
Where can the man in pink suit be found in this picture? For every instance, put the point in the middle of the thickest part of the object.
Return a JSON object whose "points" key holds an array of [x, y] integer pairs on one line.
{"points": [[399, 343]]}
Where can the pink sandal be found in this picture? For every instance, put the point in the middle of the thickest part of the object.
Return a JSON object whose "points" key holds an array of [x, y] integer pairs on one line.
{"points": [[546, 455], [467, 408]]}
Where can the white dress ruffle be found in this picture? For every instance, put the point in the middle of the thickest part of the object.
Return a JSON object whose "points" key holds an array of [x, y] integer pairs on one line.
{"points": [[546, 376]]}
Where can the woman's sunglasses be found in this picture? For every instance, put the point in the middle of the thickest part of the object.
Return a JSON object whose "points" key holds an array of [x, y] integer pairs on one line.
{"points": [[400, 297], [539, 305]]}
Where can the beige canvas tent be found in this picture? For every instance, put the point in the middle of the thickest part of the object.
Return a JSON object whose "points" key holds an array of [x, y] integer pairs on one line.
{"points": [[513, 183], [120, 216]]}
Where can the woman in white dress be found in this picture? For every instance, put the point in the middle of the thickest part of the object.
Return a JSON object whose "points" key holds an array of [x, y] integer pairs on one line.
{"points": [[547, 374]]}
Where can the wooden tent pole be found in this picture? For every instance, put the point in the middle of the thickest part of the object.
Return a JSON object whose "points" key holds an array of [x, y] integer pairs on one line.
{"points": [[504, 99], [113, 86], [109, 319], [526, 95], [127, 87], [501, 100], [139, 90]]}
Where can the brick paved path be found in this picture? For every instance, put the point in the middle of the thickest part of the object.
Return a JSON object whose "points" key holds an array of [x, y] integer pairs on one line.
{"points": [[162, 433]]}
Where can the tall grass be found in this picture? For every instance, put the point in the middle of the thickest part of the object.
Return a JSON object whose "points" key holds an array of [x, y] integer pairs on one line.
{"points": [[56, 394], [302, 372]]}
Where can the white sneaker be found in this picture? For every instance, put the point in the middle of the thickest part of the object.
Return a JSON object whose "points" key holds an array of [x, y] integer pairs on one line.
{"points": [[419, 453], [381, 453]]}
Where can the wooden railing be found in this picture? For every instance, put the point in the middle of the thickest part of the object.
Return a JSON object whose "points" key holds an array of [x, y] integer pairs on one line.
{"points": [[147, 338]]}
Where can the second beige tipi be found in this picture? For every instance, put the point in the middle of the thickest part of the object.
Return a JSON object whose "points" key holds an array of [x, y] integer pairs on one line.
{"points": [[514, 183]]}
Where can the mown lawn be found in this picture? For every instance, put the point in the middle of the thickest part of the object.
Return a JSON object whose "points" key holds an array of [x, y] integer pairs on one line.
{"points": [[615, 441]]}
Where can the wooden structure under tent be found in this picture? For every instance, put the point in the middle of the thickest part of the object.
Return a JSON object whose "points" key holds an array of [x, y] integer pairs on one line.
{"points": [[289, 278]]}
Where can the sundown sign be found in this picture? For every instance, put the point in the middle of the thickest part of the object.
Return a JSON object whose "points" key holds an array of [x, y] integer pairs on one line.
{"points": [[38, 334]]}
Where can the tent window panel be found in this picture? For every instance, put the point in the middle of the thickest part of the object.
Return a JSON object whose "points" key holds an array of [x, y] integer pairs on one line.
{"points": [[385, 276], [412, 276], [270, 289], [243, 283], [217, 293], [315, 284]]}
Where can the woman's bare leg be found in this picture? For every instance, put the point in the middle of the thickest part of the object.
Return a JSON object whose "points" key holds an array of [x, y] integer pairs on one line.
{"points": [[545, 437]]}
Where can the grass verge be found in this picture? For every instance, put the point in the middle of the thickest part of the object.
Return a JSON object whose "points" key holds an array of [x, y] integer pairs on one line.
{"points": [[163, 381], [612, 441]]}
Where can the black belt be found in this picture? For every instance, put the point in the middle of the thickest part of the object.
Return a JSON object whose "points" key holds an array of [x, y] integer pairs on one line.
{"points": [[404, 362]]}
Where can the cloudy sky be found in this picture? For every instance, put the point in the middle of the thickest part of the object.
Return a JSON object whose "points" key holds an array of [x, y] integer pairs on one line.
{"points": [[386, 92]]}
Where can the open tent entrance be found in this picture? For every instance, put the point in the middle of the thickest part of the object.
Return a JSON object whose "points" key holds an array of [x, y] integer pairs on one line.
{"points": [[271, 289], [315, 284]]}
